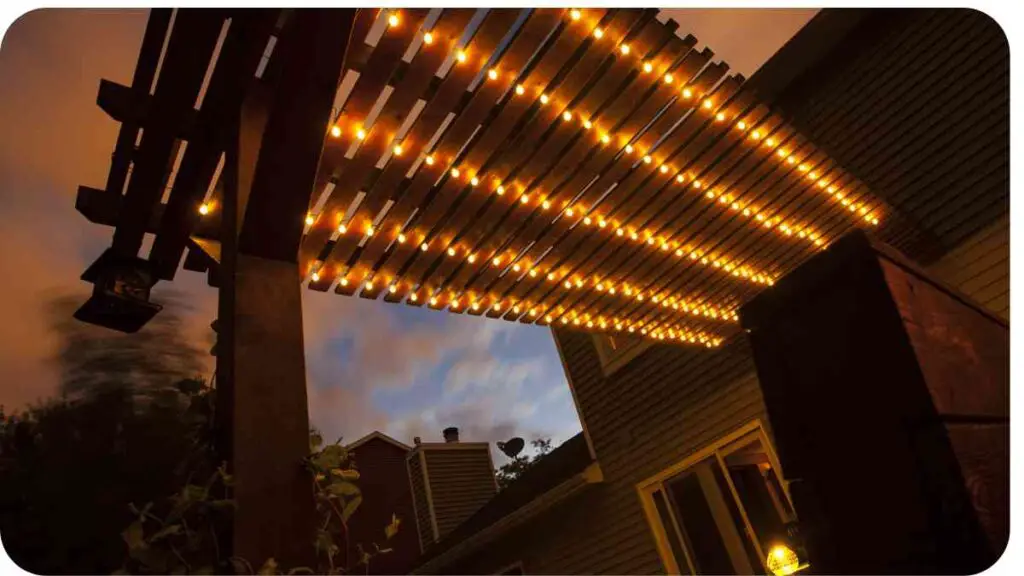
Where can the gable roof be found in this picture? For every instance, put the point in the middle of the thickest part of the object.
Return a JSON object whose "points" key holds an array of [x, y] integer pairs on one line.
{"points": [[563, 464], [380, 435]]}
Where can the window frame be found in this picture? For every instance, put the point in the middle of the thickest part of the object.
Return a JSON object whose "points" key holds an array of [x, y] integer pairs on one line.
{"points": [[719, 449], [611, 359]]}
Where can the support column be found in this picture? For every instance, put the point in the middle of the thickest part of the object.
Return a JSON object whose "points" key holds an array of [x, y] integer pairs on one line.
{"points": [[272, 156], [888, 398]]}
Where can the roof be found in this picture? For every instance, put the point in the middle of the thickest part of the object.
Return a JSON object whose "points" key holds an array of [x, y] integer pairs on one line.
{"points": [[567, 461], [382, 436]]}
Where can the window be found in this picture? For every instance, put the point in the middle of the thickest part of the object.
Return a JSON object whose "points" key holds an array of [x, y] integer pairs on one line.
{"points": [[616, 351], [722, 510]]}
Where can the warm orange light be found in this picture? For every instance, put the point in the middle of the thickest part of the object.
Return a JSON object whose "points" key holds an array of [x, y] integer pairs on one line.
{"points": [[455, 173], [336, 131], [401, 238], [605, 139], [309, 220], [741, 125], [361, 134], [471, 258], [647, 159], [648, 67], [424, 247], [544, 98], [315, 277], [474, 181], [587, 125], [492, 74], [460, 56], [343, 282], [566, 115], [428, 38], [392, 288], [500, 190], [575, 14], [429, 160], [342, 228], [413, 297], [663, 169], [707, 104], [524, 198], [520, 89], [393, 20], [668, 78], [496, 261], [451, 251], [598, 33], [624, 49], [720, 116], [397, 150]]}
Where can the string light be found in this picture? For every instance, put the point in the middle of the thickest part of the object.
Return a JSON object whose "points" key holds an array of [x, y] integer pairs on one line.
{"points": [[428, 38], [429, 160], [648, 67], [460, 56], [575, 14], [598, 33], [204, 209], [624, 49], [393, 20], [309, 220], [361, 134], [492, 74], [336, 131]]}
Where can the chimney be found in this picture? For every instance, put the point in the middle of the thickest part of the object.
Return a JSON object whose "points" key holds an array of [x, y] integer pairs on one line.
{"points": [[451, 480]]}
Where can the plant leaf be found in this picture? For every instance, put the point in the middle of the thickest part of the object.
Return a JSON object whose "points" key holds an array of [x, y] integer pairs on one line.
{"points": [[133, 536], [165, 532], [344, 488], [350, 507], [269, 567]]}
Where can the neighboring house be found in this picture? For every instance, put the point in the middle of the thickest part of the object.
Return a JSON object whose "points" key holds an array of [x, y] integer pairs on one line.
{"points": [[676, 469], [384, 482]]}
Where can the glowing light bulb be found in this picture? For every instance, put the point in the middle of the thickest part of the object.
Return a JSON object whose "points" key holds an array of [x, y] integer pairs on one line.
{"points": [[497, 306], [668, 78], [741, 125], [520, 90], [545, 205], [476, 306], [587, 125], [687, 93], [605, 139], [392, 288], [619, 232], [720, 117], [471, 259], [393, 20], [429, 160], [413, 297], [647, 159], [598, 33], [428, 38], [309, 220], [401, 238], [492, 74], [648, 67], [575, 14], [629, 148], [315, 277], [707, 104], [516, 267], [524, 198], [568, 285], [204, 209], [496, 261], [424, 246], [680, 178], [369, 230], [533, 273], [569, 212], [566, 115], [544, 98], [451, 251], [336, 131], [460, 56], [474, 181], [624, 49], [455, 305], [663, 169], [696, 184], [361, 134], [500, 190], [455, 173], [433, 300], [342, 228], [397, 150], [343, 282]]}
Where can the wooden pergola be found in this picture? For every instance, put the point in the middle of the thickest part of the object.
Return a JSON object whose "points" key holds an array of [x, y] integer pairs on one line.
{"points": [[588, 168]]}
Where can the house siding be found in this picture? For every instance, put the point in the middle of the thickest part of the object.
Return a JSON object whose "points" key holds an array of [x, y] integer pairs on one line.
{"points": [[915, 102], [980, 268], [422, 502], [385, 486], [461, 481], [653, 412]]}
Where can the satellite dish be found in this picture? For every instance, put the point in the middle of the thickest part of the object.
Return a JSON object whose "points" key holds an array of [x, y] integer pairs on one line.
{"points": [[513, 447]]}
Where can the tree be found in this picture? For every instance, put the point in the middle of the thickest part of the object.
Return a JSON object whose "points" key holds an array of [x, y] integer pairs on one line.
{"points": [[117, 432], [513, 469]]}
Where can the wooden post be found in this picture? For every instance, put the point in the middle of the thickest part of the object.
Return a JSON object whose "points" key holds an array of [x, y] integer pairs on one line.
{"points": [[272, 155], [888, 398]]}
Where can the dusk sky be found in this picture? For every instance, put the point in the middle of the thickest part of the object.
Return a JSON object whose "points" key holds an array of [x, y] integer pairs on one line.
{"points": [[491, 378]]}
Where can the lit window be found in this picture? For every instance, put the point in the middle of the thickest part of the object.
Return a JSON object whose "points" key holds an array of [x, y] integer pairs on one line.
{"points": [[724, 510]]}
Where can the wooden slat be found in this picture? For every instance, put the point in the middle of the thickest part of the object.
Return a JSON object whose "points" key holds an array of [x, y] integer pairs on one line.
{"points": [[566, 253], [534, 33], [480, 210], [571, 37], [446, 99], [188, 53], [381, 65], [603, 155], [524, 222], [353, 175], [482, 101]]}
